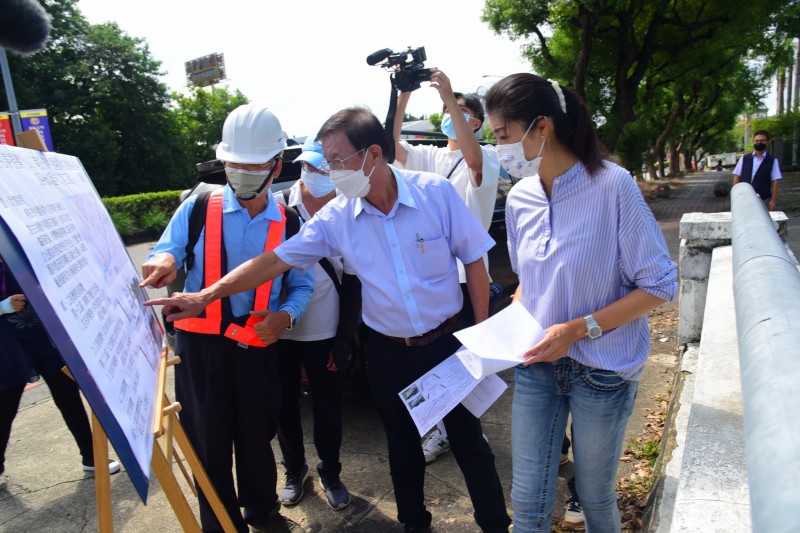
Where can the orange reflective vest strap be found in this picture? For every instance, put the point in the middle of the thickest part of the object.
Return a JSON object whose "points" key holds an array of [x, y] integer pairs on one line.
{"points": [[247, 334], [212, 265]]}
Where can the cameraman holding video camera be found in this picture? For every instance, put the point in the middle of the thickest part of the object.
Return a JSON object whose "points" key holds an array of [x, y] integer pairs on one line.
{"points": [[471, 168]]}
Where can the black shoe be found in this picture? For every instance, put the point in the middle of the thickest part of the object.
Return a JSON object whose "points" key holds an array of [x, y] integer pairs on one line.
{"points": [[564, 451], [335, 492], [278, 524], [292, 491]]}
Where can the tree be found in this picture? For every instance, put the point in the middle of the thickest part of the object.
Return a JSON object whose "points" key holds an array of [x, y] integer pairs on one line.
{"points": [[200, 115], [106, 104], [608, 49]]}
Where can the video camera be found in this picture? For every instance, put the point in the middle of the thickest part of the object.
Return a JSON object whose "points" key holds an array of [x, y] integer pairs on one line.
{"points": [[408, 69]]}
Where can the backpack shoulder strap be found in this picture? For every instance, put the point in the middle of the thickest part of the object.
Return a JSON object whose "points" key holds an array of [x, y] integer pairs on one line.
{"points": [[197, 221], [292, 221]]}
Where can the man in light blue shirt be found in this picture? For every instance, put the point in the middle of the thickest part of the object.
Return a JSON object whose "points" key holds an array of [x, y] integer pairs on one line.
{"points": [[228, 380], [400, 232]]}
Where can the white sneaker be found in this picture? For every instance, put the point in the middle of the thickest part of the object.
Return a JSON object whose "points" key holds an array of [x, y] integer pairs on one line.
{"points": [[574, 519], [113, 467], [434, 445]]}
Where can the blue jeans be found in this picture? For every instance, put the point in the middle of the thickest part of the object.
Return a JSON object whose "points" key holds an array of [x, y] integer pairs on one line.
{"points": [[601, 403]]}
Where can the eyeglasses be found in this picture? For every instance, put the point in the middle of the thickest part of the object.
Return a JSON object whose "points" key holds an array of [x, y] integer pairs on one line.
{"points": [[338, 164], [324, 170], [253, 167]]}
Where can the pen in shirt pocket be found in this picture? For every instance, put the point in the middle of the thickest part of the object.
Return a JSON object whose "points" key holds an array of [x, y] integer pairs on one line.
{"points": [[421, 243]]}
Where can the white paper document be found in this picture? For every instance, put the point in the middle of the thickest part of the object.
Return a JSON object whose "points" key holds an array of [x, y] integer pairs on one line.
{"points": [[436, 393], [484, 395], [48, 201], [499, 342]]}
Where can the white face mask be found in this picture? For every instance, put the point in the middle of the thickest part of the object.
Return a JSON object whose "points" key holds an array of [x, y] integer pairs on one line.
{"points": [[512, 157], [247, 184], [318, 185], [352, 183]]}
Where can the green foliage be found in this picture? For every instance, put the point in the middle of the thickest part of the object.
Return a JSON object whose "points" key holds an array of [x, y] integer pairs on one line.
{"points": [[154, 221], [107, 105], [124, 222], [681, 69], [146, 213], [200, 115], [780, 126], [436, 120], [488, 135]]}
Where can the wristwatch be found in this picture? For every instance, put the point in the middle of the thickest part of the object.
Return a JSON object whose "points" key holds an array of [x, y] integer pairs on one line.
{"points": [[593, 329], [291, 318]]}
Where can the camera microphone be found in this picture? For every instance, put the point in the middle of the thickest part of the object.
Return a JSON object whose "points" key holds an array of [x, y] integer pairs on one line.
{"points": [[376, 57], [24, 25]]}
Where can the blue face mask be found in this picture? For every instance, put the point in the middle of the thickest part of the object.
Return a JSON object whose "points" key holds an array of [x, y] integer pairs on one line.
{"points": [[447, 125]]}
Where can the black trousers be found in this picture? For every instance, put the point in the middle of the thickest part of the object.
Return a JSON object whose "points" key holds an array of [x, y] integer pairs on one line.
{"points": [[392, 367], [326, 402], [66, 395], [230, 398]]}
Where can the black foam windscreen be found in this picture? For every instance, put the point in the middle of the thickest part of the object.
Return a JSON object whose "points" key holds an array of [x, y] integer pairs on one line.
{"points": [[24, 25]]}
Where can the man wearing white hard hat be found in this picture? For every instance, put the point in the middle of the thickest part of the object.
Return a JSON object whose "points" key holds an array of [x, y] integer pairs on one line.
{"points": [[322, 343], [228, 381]]}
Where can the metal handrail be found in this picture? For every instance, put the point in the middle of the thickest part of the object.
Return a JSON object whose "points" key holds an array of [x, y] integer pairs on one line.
{"points": [[766, 287]]}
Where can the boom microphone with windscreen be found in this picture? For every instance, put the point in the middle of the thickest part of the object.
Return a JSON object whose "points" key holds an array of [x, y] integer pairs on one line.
{"points": [[376, 57], [24, 25]]}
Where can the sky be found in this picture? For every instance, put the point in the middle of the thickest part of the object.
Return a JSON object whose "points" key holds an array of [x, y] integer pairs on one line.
{"points": [[306, 60]]}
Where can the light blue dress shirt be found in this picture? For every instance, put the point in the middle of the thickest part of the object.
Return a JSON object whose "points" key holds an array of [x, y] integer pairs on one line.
{"points": [[244, 238], [405, 259], [594, 241]]}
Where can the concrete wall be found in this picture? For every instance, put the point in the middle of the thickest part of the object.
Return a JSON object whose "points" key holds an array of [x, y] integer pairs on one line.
{"points": [[700, 233]]}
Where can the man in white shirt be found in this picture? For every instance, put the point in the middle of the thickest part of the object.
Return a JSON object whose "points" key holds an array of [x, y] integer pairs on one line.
{"points": [[473, 170], [321, 343], [760, 169]]}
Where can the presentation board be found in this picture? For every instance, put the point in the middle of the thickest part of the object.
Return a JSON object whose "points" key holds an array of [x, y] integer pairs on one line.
{"points": [[62, 247]]}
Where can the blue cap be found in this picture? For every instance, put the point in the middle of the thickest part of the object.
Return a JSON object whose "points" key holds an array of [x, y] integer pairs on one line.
{"points": [[312, 153]]}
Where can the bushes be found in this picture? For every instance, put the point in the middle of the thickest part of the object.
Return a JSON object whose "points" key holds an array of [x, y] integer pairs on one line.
{"points": [[142, 216]]}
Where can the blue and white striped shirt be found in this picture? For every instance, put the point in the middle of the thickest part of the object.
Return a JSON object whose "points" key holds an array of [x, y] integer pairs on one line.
{"points": [[594, 241]]}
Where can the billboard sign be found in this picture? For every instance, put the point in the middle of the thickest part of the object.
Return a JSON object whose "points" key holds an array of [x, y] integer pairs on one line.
{"points": [[36, 119], [205, 70]]}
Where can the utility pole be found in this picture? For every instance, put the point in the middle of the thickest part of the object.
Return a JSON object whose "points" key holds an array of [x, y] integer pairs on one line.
{"points": [[16, 124]]}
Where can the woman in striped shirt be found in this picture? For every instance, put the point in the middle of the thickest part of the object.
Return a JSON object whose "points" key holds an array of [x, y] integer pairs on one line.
{"points": [[592, 262]]}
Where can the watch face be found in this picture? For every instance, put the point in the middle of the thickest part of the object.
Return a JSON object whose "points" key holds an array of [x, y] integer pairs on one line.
{"points": [[594, 332]]}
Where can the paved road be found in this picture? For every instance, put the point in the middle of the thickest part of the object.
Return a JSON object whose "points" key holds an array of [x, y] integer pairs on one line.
{"points": [[47, 492]]}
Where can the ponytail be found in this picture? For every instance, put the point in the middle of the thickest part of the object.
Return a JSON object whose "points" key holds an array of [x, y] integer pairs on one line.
{"points": [[523, 97]]}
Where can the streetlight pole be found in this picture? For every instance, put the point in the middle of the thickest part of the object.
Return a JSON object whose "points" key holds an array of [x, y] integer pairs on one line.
{"points": [[16, 124]]}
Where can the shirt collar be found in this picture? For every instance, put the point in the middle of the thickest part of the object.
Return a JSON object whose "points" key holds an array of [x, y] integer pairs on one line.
{"points": [[403, 197], [230, 204]]}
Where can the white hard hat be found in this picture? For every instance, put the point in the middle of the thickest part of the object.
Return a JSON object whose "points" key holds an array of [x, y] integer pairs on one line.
{"points": [[251, 134]]}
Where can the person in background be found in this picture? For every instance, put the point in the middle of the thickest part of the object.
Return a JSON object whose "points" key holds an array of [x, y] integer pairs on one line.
{"points": [[592, 262], [761, 170], [26, 353], [473, 170], [400, 232], [322, 343], [228, 380]]}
